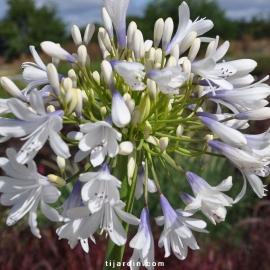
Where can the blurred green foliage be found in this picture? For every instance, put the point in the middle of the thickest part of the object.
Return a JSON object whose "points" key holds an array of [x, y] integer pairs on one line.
{"points": [[25, 24]]}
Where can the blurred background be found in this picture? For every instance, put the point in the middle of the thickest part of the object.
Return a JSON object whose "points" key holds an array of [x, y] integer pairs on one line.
{"points": [[242, 241]]}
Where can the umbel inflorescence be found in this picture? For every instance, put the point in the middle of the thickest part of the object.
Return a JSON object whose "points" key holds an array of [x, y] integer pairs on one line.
{"points": [[137, 113]]}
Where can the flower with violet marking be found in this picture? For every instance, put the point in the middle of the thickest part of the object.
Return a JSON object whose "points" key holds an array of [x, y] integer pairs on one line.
{"points": [[176, 233], [209, 199], [100, 139], [36, 125], [143, 243], [25, 188]]}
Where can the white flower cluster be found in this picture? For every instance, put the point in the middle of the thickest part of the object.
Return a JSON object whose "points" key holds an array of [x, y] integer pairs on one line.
{"points": [[139, 109]]}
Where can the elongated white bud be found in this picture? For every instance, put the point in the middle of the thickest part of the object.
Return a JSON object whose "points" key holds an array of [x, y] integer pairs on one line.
{"points": [[175, 51], [152, 89], [152, 53], [53, 78], [158, 31], [72, 75], [158, 56], [147, 130], [210, 48], [103, 111], [179, 131], [66, 84], [187, 41], [167, 33], [89, 31], [79, 103], [76, 35], [107, 22], [53, 50], [163, 143], [101, 45], [131, 166], [82, 55], [105, 39], [171, 62], [136, 118], [125, 148], [56, 180], [126, 96], [96, 77], [12, 89], [61, 162], [120, 112], [108, 74], [194, 49], [187, 66], [137, 43], [131, 105], [130, 32]]}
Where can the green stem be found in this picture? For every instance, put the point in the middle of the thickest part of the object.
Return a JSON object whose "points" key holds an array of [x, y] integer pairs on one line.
{"points": [[114, 252]]}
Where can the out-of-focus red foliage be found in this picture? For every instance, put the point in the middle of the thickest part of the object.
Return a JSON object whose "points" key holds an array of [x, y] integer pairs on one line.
{"points": [[21, 250]]}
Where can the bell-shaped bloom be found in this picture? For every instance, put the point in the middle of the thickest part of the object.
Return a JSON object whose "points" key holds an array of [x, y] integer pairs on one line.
{"points": [[140, 182], [34, 123], [143, 244], [117, 10], [106, 219], [100, 185], [120, 112], [24, 188], [210, 199], [249, 164], [250, 98], [186, 26], [168, 79], [131, 72], [100, 139], [176, 233], [229, 135]]}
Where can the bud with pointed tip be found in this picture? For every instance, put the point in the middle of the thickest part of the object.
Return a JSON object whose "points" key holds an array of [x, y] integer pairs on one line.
{"points": [[137, 43], [158, 31], [107, 22], [171, 62], [103, 111], [163, 143], [167, 33], [131, 105], [89, 31], [12, 89], [61, 162], [152, 89], [72, 75], [187, 41], [56, 180], [82, 55], [179, 131], [130, 32], [66, 84], [147, 130], [131, 166], [108, 74], [194, 49], [96, 77], [175, 51]]}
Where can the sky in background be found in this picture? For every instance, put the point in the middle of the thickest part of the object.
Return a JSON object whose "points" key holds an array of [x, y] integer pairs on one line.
{"points": [[82, 12]]}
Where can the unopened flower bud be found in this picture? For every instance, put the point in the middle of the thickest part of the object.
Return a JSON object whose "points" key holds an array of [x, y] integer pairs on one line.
{"points": [[153, 140], [179, 131], [145, 105], [89, 31], [96, 77], [103, 111], [12, 89], [125, 148], [149, 65], [50, 109], [125, 130], [105, 39], [82, 55], [61, 162], [76, 35], [53, 78], [152, 53], [108, 74], [187, 66], [72, 75], [210, 48], [101, 45], [137, 43], [158, 56], [167, 33], [175, 51], [131, 105], [136, 118], [66, 84], [147, 130], [158, 31], [53, 50], [126, 96], [193, 51], [132, 27], [169, 107], [131, 166], [56, 180], [79, 103], [152, 89], [171, 62], [209, 137], [187, 41], [163, 143]]}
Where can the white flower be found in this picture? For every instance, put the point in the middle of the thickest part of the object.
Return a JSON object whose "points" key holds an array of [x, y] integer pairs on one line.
{"points": [[168, 79], [229, 135], [140, 182], [176, 233], [209, 199], [106, 219], [100, 185], [120, 112], [130, 71], [100, 139], [25, 188], [249, 164], [117, 10], [185, 26], [143, 243], [35, 123]]}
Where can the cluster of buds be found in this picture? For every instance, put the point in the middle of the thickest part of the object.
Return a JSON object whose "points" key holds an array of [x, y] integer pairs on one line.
{"points": [[138, 111]]}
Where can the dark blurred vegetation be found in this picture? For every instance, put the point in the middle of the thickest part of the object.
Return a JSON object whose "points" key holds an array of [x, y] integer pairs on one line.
{"points": [[25, 24]]}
